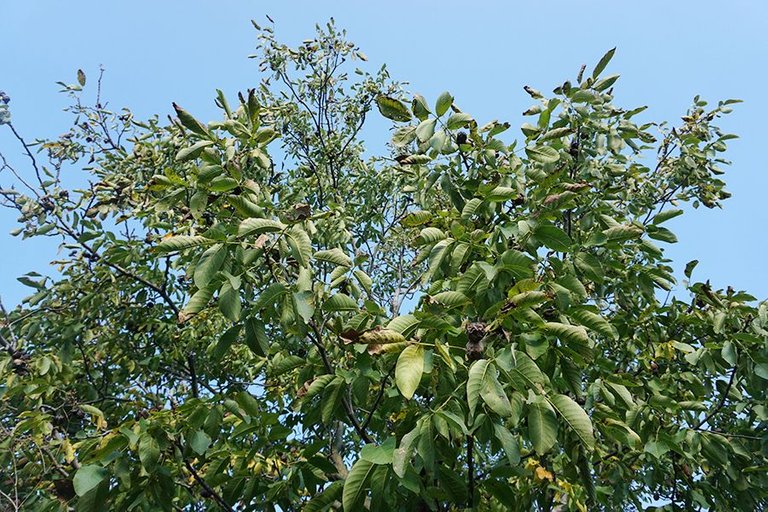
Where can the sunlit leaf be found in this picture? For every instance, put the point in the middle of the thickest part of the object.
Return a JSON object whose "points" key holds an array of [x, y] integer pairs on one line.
{"points": [[410, 367]]}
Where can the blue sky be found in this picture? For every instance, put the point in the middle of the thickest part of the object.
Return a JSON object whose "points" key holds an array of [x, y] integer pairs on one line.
{"points": [[159, 52]]}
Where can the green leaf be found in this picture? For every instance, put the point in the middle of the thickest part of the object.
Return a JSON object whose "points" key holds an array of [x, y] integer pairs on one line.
{"points": [[207, 173], [190, 122], [473, 281], [475, 380], [405, 324], [444, 102], [340, 302], [604, 60], [529, 130], [81, 81], [223, 184], [256, 337], [209, 264], [392, 108], [180, 242], [524, 373], [27, 281], [200, 441], [301, 245], [402, 456], [404, 135], [364, 280], [259, 226], [248, 403], [567, 333], [420, 107], [87, 478], [556, 133], [729, 353], [197, 303], [576, 418], [493, 393], [331, 400], [656, 448], [430, 236], [623, 232], [605, 83], [594, 322], [303, 303], [471, 207], [621, 431], [94, 411], [335, 256], [269, 296], [286, 364], [542, 425], [355, 485], [622, 392], [317, 386], [416, 219], [415, 160], [149, 452], [245, 207], [590, 266], [229, 302], [455, 419], [408, 371], [379, 454], [453, 484], [425, 130], [666, 215], [450, 299], [761, 370], [193, 151], [543, 154], [458, 120], [325, 499], [553, 237], [499, 194], [689, 268], [662, 234], [226, 340], [508, 443], [715, 448]]}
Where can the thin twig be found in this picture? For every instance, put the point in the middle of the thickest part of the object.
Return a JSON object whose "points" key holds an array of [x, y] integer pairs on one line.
{"points": [[723, 398], [470, 471], [329, 368], [379, 396], [215, 495]]}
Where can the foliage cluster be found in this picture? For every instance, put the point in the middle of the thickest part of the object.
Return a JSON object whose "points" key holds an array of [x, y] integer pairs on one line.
{"points": [[251, 314]]}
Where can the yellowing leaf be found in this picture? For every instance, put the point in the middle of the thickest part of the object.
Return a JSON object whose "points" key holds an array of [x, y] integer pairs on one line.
{"points": [[408, 371]]}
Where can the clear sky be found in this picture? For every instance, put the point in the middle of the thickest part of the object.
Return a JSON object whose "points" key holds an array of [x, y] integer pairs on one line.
{"points": [[156, 52]]}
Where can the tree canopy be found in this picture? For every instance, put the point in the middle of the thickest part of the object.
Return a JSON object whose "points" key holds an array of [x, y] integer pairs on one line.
{"points": [[254, 313]]}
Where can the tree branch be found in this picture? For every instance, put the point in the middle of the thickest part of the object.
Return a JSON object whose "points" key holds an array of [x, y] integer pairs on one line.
{"points": [[344, 400], [470, 471], [379, 396], [216, 496], [723, 398]]}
